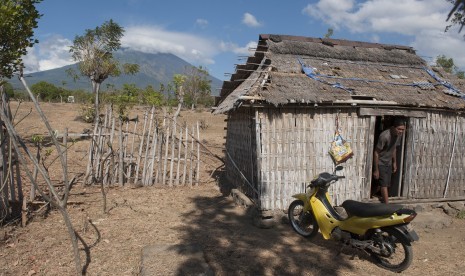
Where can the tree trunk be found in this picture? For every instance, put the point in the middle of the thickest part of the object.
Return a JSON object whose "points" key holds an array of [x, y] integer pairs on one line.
{"points": [[96, 90]]}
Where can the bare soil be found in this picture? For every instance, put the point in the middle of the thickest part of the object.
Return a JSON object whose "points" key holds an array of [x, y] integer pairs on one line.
{"points": [[203, 215]]}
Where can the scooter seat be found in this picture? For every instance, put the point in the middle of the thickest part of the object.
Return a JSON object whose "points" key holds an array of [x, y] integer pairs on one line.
{"points": [[362, 209]]}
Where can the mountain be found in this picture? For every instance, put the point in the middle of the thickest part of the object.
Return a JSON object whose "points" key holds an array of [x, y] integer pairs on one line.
{"points": [[154, 69]]}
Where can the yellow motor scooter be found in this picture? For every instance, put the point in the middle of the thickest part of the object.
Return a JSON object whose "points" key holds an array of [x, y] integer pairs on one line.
{"points": [[382, 230]]}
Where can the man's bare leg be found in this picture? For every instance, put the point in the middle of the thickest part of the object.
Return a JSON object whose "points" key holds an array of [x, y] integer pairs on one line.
{"points": [[384, 194]]}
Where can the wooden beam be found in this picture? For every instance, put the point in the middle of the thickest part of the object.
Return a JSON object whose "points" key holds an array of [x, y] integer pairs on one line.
{"points": [[367, 111]]}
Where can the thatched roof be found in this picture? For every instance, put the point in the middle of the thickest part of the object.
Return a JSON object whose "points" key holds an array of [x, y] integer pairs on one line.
{"points": [[338, 71]]}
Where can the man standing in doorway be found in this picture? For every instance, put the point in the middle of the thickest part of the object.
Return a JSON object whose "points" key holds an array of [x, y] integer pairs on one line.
{"points": [[384, 156]]}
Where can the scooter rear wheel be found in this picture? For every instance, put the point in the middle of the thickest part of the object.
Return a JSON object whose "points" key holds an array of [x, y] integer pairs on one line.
{"points": [[396, 252], [303, 223]]}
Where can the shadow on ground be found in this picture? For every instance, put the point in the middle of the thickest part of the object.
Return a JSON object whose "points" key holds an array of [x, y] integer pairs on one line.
{"points": [[233, 246]]}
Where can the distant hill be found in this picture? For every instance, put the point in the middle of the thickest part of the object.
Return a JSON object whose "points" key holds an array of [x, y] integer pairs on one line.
{"points": [[154, 69]]}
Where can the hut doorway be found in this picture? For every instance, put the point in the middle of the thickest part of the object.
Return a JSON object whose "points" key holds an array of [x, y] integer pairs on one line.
{"points": [[383, 123]]}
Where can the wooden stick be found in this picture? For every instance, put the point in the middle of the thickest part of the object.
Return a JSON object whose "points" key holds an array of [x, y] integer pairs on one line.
{"points": [[173, 136], [129, 173], [191, 162], [147, 147], [152, 154], [185, 157], [179, 157], [121, 152], [136, 173], [88, 179], [166, 155], [197, 175]]}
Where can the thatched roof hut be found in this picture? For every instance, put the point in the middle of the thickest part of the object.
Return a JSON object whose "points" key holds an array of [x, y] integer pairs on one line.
{"points": [[283, 102]]}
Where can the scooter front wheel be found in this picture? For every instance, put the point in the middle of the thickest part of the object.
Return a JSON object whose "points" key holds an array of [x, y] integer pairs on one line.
{"points": [[302, 222]]}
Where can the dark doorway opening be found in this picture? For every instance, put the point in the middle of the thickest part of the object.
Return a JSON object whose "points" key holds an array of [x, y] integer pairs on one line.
{"points": [[383, 123]]}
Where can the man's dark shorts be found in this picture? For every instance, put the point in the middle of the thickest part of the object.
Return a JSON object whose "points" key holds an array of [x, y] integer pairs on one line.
{"points": [[385, 173]]}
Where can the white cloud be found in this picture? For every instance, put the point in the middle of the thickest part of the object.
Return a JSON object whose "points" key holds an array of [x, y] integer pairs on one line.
{"points": [[396, 16], [250, 20], [432, 44], [153, 39], [53, 52], [202, 23], [238, 50], [422, 20]]}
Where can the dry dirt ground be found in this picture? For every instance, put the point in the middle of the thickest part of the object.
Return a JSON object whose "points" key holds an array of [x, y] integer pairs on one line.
{"points": [[203, 216]]}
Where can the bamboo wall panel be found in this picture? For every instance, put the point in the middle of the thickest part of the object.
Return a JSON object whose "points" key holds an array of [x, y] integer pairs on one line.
{"points": [[294, 148], [240, 147], [435, 156]]}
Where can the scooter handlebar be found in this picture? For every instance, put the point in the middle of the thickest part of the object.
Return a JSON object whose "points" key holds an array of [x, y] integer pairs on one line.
{"points": [[325, 179]]}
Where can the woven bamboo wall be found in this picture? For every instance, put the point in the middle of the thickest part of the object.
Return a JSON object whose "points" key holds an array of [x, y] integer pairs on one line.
{"points": [[240, 148], [293, 148], [435, 164]]}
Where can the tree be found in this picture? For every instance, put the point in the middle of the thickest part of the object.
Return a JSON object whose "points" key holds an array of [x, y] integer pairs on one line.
{"points": [[196, 85], [449, 66], [17, 24], [8, 89], [48, 91], [329, 33], [93, 51], [457, 14], [152, 97]]}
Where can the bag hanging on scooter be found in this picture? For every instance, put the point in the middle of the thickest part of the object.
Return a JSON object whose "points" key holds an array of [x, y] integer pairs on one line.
{"points": [[340, 149]]}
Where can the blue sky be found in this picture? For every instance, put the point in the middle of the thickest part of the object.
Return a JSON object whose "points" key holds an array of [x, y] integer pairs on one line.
{"points": [[219, 34]]}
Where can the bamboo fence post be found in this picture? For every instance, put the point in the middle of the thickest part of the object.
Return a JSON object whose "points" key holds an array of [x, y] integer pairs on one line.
{"points": [[147, 147], [160, 151], [152, 154], [98, 148], [165, 161], [185, 157], [109, 164], [32, 194], [173, 136], [191, 162], [136, 173], [179, 157], [125, 147], [90, 160], [121, 152], [131, 155]]}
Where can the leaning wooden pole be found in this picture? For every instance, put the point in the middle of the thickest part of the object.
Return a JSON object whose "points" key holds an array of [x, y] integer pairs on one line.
{"points": [[197, 174]]}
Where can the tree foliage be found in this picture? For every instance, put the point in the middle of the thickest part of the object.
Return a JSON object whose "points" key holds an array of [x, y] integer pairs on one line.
{"points": [[196, 86], [48, 91], [449, 66], [457, 14], [329, 33], [94, 52], [17, 23]]}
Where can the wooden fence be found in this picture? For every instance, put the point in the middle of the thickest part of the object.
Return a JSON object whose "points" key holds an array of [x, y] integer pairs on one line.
{"points": [[154, 150], [10, 181]]}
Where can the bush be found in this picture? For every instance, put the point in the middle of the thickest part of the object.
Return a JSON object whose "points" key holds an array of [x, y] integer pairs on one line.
{"points": [[87, 112]]}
